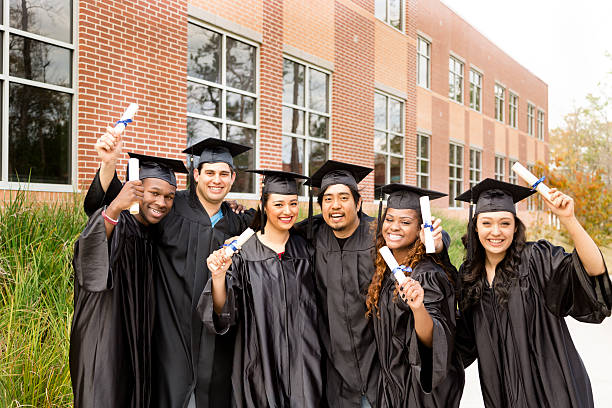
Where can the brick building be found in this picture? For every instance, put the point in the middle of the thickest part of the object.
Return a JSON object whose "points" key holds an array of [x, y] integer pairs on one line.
{"points": [[405, 86]]}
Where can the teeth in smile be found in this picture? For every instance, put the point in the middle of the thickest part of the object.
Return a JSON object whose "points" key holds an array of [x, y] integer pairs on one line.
{"points": [[394, 237], [495, 241]]}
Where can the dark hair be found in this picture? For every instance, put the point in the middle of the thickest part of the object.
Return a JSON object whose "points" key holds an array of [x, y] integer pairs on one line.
{"points": [[473, 270], [259, 221], [354, 193], [193, 185]]}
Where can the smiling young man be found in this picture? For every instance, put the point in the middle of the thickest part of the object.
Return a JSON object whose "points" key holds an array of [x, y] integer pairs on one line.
{"points": [[191, 367], [115, 263]]}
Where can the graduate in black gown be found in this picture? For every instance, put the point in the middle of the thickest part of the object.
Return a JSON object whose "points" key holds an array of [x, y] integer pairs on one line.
{"points": [[269, 294], [515, 296], [115, 264], [191, 366], [414, 323]]}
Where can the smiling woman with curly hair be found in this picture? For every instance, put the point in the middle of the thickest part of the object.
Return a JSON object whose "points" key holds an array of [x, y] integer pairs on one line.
{"points": [[414, 323]]}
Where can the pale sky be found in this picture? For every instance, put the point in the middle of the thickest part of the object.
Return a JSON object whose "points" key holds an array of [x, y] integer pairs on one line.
{"points": [[563, 42]]}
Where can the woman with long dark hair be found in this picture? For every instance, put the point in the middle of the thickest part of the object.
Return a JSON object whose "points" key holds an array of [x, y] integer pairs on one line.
{"points": [[269, 295], [414, 323], [515, 295]]}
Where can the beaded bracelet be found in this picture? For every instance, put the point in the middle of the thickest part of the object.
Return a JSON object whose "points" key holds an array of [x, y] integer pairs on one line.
{"points": [[109, 219]]}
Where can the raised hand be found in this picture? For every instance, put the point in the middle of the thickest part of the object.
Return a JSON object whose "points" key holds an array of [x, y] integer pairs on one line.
{"points": [[132, 192], [412, 294], [437, 234], [560, 204], [108, 146], [218, 263]]}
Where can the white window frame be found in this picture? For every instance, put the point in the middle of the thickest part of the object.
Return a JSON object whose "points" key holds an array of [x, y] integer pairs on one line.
{"points": [[475, 170], [540, 122], [477, 87], [388, 155], [421, 159], [456, 61], [402, 16], [530, 118], [308, 111], [6, 79], [531, 204], [512, 177], [500, 167], [512, 109], [223, 121], [499, 101], [425, 57], [454, 181]]}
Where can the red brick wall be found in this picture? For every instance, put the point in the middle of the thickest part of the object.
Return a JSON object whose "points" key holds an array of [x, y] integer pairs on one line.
{"points": [[131, 51]]}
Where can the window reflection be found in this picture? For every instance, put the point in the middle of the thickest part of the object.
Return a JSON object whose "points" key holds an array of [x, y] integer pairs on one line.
{"points": [[49, 18], [38, 61]]}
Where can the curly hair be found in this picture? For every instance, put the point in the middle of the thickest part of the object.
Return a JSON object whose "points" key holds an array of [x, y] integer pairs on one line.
{"points": [[415, 254], [473, 268]]}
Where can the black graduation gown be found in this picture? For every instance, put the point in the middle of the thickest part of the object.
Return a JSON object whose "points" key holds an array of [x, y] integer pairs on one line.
{"points": [[343, 277], [186, 358], [110, 342], [413, 375], [526, 357], [277, 359]]}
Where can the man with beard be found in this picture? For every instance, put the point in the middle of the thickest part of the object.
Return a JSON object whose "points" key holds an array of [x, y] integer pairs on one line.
{"points": [[344, 241], [115, 265], [191, 367]]}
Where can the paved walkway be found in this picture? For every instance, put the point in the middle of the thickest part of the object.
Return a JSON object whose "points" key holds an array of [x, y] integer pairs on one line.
{"points": [[593, 342]]}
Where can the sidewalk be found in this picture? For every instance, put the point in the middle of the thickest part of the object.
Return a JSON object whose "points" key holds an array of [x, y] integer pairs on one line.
{"points": [[593, 342]]}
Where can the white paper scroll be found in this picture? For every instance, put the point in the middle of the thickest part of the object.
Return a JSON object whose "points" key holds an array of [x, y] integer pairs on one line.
{"points": [[531, 179], [127, 115], [134, 174], [430, 246], [238, 242], [392, 264]]}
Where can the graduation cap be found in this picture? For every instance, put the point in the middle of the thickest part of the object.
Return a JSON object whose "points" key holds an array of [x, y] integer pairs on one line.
{"points": [[159, 167], [493, 195], [213, 150], [280, 182], [335, 172], [405, 197]]}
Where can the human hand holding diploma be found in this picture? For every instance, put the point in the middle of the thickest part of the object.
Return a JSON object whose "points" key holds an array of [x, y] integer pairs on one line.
{"points": [[219, 261], [410, 290]]}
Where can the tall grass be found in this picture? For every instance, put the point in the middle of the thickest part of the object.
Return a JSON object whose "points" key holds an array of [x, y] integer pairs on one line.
{"points": [[36, 243]]}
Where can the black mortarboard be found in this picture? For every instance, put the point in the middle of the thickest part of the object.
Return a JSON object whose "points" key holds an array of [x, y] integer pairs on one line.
{"points": [[279, 182], [335, 172], [493, 195], [405, 197], [213, 150], [159, 167]]}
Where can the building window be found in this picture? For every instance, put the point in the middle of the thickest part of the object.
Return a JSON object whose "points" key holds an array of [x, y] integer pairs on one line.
{"points": [[512, 109], [422, 173], [222, 94], [531, 203], [500, 168], [475, 89], [423, 62], [455, 179], [38, 93], [540, 125], [390, 11], [499, 102], [512, 177], [475, 167], [455, 79], [388, 141], [530, 118], [306, 116]]}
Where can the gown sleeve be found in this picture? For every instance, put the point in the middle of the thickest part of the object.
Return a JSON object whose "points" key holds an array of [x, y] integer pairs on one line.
{"points": [[568, 289], [431, 364], [221, 323], [91, 256], [97, 198]]}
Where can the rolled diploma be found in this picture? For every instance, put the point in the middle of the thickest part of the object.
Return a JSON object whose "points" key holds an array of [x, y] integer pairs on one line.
{"points": [[134, 174], [430, 246], [392, 264], [238, 242], [531, 179], [128, 114]]}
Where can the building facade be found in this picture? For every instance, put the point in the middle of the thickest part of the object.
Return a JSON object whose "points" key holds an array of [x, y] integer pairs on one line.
{"points": [[407, 87]]}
